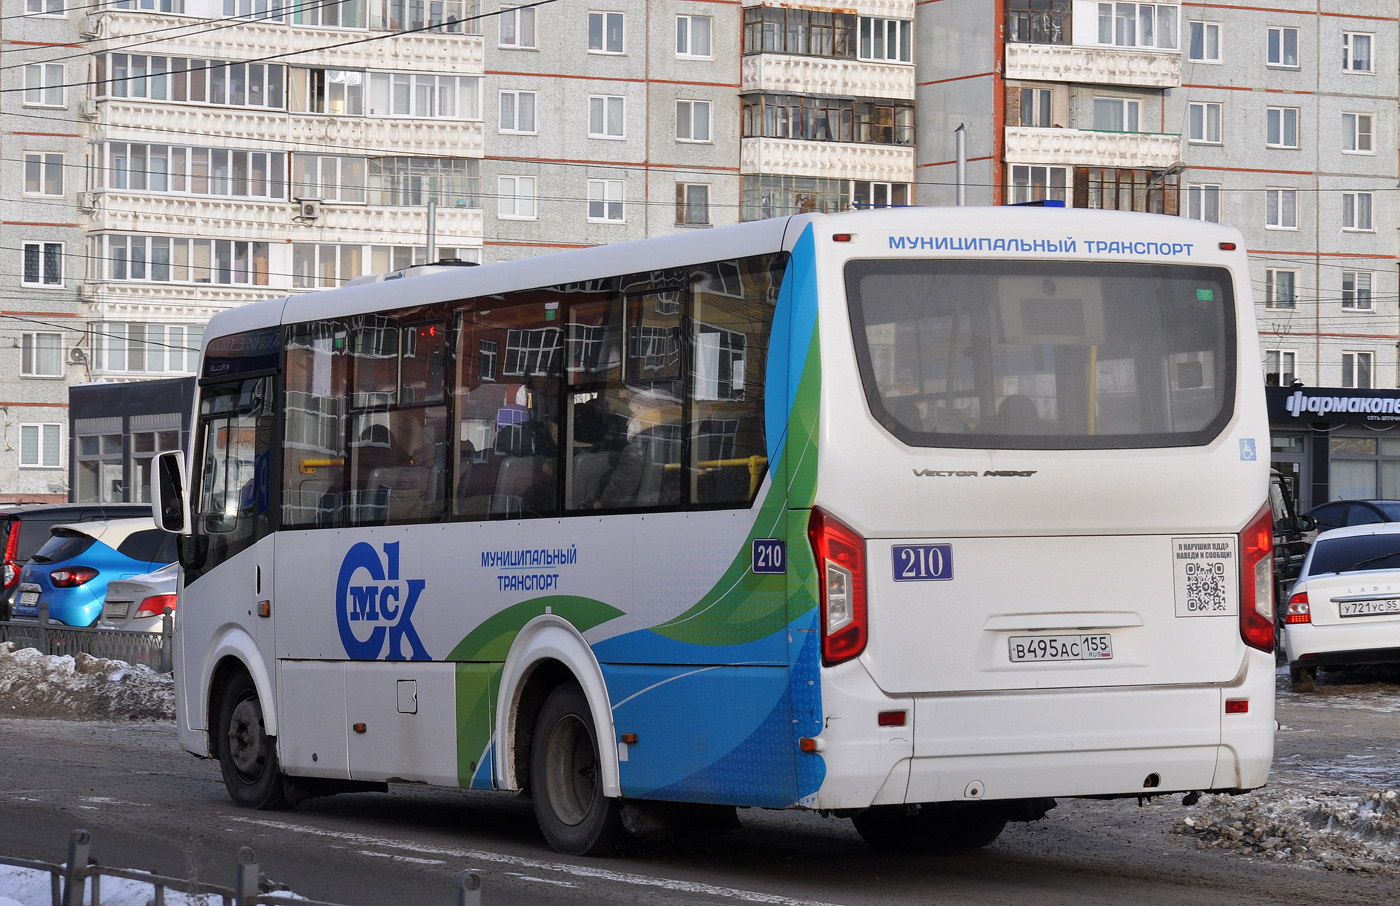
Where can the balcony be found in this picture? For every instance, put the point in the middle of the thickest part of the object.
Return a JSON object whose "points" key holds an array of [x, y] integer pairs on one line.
{"points": [[799, 157], [784, 74], [1125, 67], [1083, 148]]}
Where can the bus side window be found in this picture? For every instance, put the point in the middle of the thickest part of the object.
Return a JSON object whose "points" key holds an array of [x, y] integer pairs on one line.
{"points": [[313, 454], [235, 440]]}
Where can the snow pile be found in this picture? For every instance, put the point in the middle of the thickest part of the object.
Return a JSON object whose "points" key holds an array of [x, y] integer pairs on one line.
{"points": [[39, 685], [1340, 831], [31, 887]]}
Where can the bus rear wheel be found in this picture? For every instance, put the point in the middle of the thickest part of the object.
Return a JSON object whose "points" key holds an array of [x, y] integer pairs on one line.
{"points": [[921, 829], [247, 755], [566, 777]]}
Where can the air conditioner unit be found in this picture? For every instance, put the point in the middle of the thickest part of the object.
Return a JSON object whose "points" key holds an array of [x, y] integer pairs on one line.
{"points": [[92, 28], [308, 209], [77, 356], [88, 109], [87, 202]]}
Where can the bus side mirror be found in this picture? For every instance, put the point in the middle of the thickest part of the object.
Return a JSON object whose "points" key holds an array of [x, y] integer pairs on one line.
{"points": [[169, 504], [1307, 524]]}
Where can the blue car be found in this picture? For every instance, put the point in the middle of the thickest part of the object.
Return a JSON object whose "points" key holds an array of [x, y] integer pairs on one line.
{"points": [[71, 571]]}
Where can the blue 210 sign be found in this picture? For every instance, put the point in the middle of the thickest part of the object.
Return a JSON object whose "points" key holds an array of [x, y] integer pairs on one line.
{"points": [[769, 556], [380, 602]]}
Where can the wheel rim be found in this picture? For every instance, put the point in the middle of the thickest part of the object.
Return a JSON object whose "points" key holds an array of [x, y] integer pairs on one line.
{"points": [[571, 773], [247, 742]]}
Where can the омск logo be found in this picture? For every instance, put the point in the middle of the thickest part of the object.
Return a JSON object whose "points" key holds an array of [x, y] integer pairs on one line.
{"points": [[380, 603]]}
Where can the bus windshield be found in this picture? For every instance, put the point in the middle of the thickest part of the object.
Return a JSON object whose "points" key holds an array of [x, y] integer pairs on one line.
{"points": [[1044, 355]]}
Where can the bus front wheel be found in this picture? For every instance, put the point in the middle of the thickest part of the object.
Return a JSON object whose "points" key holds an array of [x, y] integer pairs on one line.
{"points": [[247, 755], [566, 777]]}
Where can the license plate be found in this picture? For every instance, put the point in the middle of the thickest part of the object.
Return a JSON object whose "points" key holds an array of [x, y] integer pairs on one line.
{"points": [[117, 611], [29, 599], [1370, 608], [1095, 647]]}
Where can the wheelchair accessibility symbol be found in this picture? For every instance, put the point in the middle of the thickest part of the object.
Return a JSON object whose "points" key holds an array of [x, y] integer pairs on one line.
{"points": [[1247, 451]]}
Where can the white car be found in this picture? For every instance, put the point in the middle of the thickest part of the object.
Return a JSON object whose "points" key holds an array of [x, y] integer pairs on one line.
{"points": [[139, 603], [1345, 606]]}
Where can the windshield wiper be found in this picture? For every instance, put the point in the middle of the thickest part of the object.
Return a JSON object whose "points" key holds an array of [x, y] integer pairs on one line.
{"points": [[1368, 561]]}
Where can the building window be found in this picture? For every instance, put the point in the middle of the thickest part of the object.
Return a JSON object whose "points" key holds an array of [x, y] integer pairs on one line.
{"points": [[1203, 203], [137, 348], [43, 174], [1280, 288], [100, 463], [41, 354], [516, 196], [336, 91], [1204, 124], [129, 166], [325, 265], [1038, 22], [692, 203], [43, 264], [159, 78], [326, 13], [1356, 211], [814, 33], [605, 33], [1127, 189], [454, 17], [605, 200], [1115, 115], [886, 40], [165, 259], [607, 116], [1280, 367], [518, 28], [1138, 25], [1356, 52], [867, 194], [693, 36], [39, 446], [420, 95], [692, 121], [57, 8], [1036, 107], [1029, 183], [1283, 127], [774, 195], [43, 85], [518, 112], [328, 177], [1283, 47], [453, 182], [1357, 370], [827, 119], [1204, 43], [489, 354], [1356, 133], [1356, 290], [145, 445], [1281, 209]]}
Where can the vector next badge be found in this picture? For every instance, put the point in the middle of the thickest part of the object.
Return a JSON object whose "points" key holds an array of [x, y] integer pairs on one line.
{"points": [[373, 606]]}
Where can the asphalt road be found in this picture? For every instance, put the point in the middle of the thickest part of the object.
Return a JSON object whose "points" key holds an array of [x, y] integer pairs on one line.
{"points": [[150, 806]]}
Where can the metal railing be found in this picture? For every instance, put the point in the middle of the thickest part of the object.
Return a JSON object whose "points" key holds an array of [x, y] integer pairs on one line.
{"points": [[154, 649], [70, 881]]}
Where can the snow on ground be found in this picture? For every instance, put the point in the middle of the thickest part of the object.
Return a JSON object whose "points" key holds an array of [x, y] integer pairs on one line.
{"points": [[31, 887], [39, 685]]}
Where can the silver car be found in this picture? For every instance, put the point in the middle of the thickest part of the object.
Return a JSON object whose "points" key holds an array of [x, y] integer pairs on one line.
{"points": [[139, 603]]}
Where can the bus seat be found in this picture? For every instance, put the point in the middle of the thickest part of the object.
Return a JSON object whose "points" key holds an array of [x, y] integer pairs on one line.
{"points": [[586, 482], [655, 484], [400, 490], [514, 477]]}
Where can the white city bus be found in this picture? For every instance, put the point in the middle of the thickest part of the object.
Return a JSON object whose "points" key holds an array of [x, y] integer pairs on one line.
{"points": [[923, 517]]}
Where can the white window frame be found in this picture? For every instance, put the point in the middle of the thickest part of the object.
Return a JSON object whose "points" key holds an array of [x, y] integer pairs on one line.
{"points": [[1131, 36], [602, 17], [1282, 32], [46, 162], [1022, 185], [31, 349], [1129, 111], [510, 193], [1206, 28], [45, 248], [1355, 139], [688, 116], [46, 9], [1358, 212], [1281, 362], [518, 24], [609, 195], [1202, 200], [1349, 45], [1206, 108], [603, 102], [1042, 101], [1358, 291], [1282, 114], [415, 83], [1274, 207], [41, 431], [44, 85], [896, 36], [1352, 360], [1271, 287], [513, 104], [683, 205], [685, 38]]}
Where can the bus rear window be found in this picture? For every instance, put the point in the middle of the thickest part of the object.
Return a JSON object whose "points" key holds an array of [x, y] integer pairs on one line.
{"points": [[1044, 355]]}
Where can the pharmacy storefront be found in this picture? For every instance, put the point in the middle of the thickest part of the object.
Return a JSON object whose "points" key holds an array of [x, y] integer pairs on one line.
{"points": [[1335, 444]]}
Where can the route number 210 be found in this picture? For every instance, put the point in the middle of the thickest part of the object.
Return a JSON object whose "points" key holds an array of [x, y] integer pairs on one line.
{"points": [[922, 562]]}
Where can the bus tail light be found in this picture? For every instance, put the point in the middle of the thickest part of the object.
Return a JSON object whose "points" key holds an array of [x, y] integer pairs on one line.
{"points": [[1298, 609], [840, 555], [155, 605], [72, 576], [1257, 581]]}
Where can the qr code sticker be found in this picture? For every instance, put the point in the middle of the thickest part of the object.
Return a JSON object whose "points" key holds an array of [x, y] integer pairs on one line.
{"points": [[1206, 588]]}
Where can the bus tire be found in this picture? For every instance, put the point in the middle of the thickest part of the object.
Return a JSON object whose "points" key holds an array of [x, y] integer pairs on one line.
{"points": [[975, 827], [1304, 678], [247, 755], [905, 829], [566, 778]]}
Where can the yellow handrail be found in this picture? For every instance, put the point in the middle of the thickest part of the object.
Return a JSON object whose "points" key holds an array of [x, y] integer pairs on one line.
{"points": [[755, 465], [309, 466]]}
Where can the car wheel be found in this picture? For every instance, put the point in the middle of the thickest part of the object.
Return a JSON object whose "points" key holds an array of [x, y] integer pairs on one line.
{"points": [[566, 777], [1304, 678], [247, 755]]}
